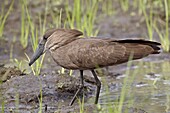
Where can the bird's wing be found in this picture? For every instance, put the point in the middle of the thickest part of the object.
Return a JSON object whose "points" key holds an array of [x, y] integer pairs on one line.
{"points": [[100, 53], [136, 51], [97, 53]]}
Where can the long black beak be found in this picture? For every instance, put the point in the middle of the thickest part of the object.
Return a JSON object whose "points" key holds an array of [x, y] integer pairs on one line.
{"points": [[39, 51]]}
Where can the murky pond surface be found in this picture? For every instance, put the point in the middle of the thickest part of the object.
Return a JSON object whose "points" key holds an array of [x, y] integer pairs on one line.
{"points": [[147, 86], [149, 90]]}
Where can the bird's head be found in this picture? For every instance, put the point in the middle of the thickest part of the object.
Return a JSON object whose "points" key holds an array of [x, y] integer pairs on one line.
{"points": [[53, 39]]}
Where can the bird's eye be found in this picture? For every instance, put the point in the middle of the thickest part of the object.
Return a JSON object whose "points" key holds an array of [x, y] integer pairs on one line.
{"points": [[44, 37]]}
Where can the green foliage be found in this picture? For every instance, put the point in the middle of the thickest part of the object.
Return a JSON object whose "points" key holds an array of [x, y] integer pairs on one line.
{"points": [[152, 21], [128, 80], [24, 24], [168, 4], [118, 105], [107, 7], [3, 106], [34, 40], [82, 17], [40, 99], [81, 105], [56, 19], [124, 5], [17, 102], [19, 64], [164, 36], [148, 19], [4, 16]]}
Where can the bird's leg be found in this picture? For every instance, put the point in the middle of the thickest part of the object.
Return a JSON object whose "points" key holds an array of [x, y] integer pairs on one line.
{"points": [[98, 83], [80, 88]]}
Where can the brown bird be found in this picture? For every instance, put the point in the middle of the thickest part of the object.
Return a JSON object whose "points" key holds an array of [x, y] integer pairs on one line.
{"points": [[73, 52]]}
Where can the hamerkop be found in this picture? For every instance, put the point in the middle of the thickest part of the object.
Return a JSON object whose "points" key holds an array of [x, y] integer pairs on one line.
{"points": [[73, 52]]}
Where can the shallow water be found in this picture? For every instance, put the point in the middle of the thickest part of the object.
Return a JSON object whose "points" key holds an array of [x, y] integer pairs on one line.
{"points": [[149, 91]]}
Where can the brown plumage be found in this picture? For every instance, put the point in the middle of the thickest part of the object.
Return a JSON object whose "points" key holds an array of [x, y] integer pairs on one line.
{"points": [[72, 52]]}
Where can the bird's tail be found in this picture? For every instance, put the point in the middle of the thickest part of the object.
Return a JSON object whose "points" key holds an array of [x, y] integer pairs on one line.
{"points": [[154, 45]]}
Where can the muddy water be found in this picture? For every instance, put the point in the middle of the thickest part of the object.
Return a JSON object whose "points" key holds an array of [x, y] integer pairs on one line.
{"points": [[21, 90], [150, 88]]}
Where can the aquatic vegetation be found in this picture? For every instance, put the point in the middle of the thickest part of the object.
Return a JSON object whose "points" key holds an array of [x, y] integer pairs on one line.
{"points": [[34, 41], [128, 80], [16, 102], [145, 81], [2, 102], [24, 24], [57, 19], [4, 16], [81, 104], [153, 24], [164, 36], [148, 18], [107, 7], [40, 98], [11, 48], [118, 105], [82, 17], [124, 4], [19, 64]]}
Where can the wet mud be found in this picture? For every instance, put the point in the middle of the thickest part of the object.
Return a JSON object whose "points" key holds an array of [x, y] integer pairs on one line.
{"points": [[22, 91]]}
